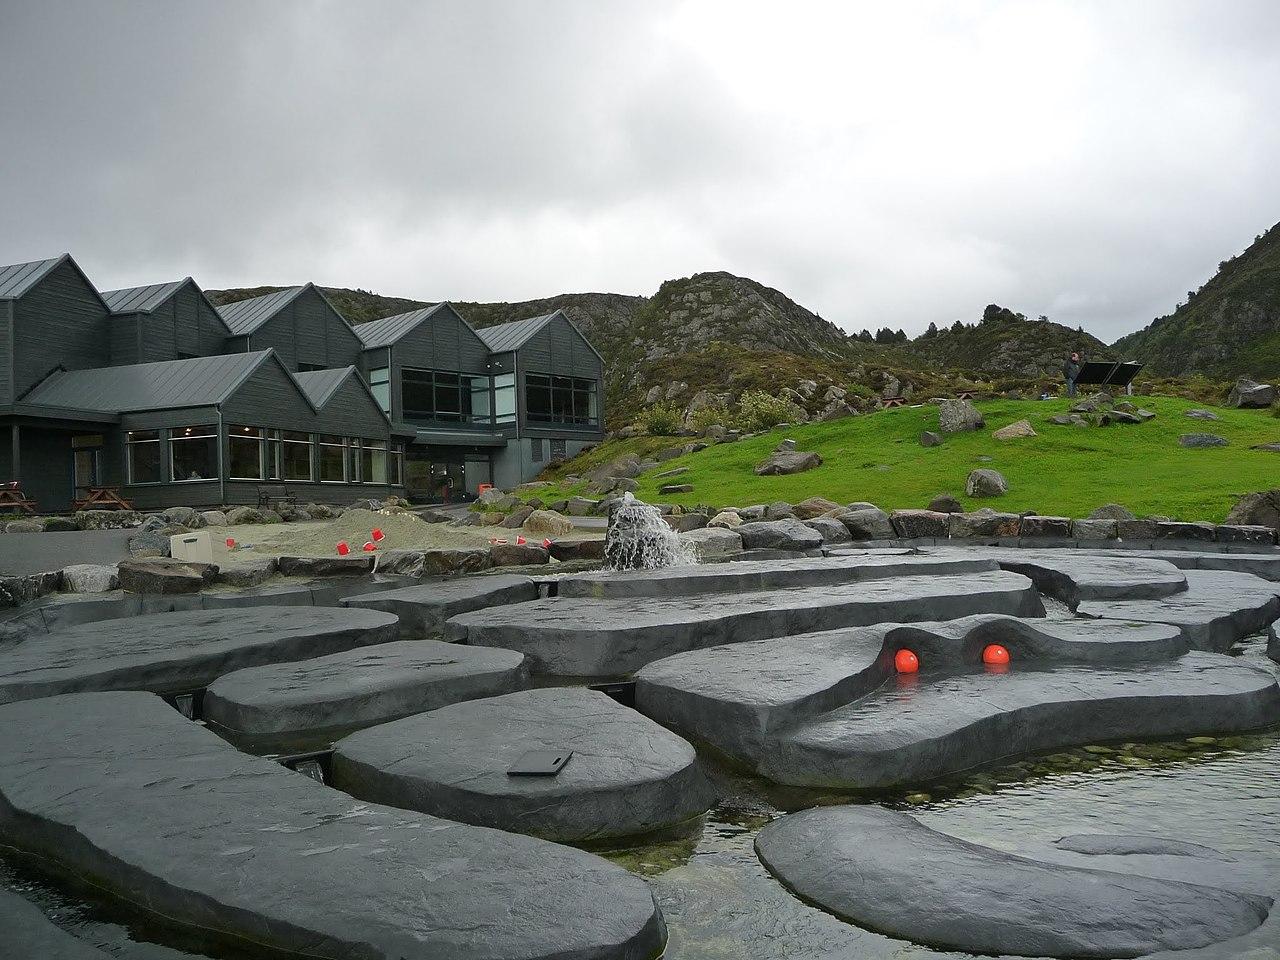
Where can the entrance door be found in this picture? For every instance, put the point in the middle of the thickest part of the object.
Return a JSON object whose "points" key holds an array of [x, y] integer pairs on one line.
{"points": [[86, 465]]}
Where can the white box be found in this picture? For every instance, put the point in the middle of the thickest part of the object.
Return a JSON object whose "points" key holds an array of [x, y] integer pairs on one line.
{"points": [[195, 546]]}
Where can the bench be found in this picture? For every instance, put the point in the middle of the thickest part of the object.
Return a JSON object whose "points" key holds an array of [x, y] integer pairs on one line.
{"points": [[887, 402], [12, 498], [102, 498], [279, 496]]}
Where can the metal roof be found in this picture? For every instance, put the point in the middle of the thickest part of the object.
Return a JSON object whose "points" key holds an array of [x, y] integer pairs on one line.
{"points": [[16, 279], [320, 385], [513, 335], [142, 299], [384, 332], [199, 382], [246, 316]]}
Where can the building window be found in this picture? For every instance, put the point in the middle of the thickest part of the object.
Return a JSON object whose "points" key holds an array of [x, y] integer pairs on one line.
{"points": [[244, 449], [193, 453], [373, 461], [295, 456], [395, 465], [537, 451], [504, 398], [560, 399], [143, 455], [439, 395], [333, 459], [380, 385]]}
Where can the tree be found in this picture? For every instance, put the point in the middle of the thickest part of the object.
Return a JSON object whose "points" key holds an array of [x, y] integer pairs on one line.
{"points": [[957, 327], [884, 335], [931, 330], [865, 336], [900, 336]]}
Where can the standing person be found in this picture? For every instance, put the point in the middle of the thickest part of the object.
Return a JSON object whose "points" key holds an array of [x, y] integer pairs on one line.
{"points": [[1071, 370]]}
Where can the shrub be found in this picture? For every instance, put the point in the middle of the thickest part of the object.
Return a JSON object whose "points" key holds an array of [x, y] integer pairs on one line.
{"points": [[704, 417], [661, 420], [761, 411]]}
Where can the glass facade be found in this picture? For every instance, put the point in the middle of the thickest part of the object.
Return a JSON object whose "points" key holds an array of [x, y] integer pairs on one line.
{"points": [[380, 385], [569, 400], [193, 453], [244, 453], [295, 456], [504, 398], [143, 456], [439, 395], [333, 459]]}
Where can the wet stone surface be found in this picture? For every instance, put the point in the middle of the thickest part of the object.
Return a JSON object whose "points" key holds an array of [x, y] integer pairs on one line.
{"points": [[424, 608]]}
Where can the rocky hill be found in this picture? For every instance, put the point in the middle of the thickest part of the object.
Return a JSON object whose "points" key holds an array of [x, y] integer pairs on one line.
{"points": [[1006, 344], [1229, 327]]}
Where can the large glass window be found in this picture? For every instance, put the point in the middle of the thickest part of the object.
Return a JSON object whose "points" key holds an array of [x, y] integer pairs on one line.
{"points": [[333, 459], [395, 465], [504, 398], [295, 456], [373, 461], [193, 453], [380, 385], [244, 449], [440, 395], [560, 399], [142, 452]]}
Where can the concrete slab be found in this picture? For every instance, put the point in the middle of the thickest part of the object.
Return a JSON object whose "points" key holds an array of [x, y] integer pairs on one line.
{"points": [[189, 649], [120, 790], [424, 608], [29, 934], [356, 688], [580, 637], [627, 775]]}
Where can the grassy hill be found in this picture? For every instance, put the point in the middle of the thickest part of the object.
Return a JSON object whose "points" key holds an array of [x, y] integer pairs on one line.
{"points": [[1229, 327], [1007, 344], [1065, 470]]}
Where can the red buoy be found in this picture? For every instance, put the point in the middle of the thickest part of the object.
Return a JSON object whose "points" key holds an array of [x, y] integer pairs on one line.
{"points": [[343, 549], [521, 541], [369, 547], [378, 534], [231, 543], [546, 543], [904, 661], [994, 655]]}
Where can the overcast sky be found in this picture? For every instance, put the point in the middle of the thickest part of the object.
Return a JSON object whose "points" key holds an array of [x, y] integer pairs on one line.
{"points": [[883, 164]]}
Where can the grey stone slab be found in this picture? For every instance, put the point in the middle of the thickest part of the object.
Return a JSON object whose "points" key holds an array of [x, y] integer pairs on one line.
{"points": [[424, 608], [119, 789], [1216, 610], [1273, 643], [737, 696], [1265, 565], [627, 775], [924, 728], [886, 871], [571, 636], [1108, 844], [753, 575], [358, 688], [168, 652], [26, 934]]}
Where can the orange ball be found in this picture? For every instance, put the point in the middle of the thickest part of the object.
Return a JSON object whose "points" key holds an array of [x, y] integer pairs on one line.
{"points": [[994, 654], [904, 661]]}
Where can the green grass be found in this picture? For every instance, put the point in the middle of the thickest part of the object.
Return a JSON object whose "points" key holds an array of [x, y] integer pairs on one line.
{"points": [[1065, 470]]}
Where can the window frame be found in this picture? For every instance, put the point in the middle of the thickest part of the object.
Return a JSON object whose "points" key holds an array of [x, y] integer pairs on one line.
{"points": [[342, 446], [128, 458], [260, 437], [309, 443], [174, 441]]}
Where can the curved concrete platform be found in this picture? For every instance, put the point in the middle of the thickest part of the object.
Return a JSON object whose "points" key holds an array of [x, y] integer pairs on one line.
{"points": [[158, 811], [1216, 610], [424, 608], [753, 575], [357, 688], [582, 637], [916, 731], [627, 775], [27, 933], [184, 650], [886, 871], [735, 696]]}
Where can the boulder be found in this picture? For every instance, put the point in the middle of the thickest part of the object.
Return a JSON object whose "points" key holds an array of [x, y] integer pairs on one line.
{"points": [[712, 541], [1257, 509], [185, 516], [216, 518], [983, 523], [754, 512], [59, 525], [832, 530], [787, 534], [1034, 525], [517, 554], [783, 462], [548, 522], [985, 482], [1201, 440], [1265, 447], [676, 488], [273, 516], [868, 523], [1249, 393], [325, 566], [24, 526], [453, 562], [1123, 416], [957, 416], [1111, 511], [516, 518], [815, 507], [677, 471], [153, 543], [1174, 530], [152, 522], [684, 522], [1099, 529], [107, 519], [89, 578], [239, 515], [930, 439], [15, 591], [581, 506], [779, 510], [725, 518], [946, 503], [1202, 415], [915, 524], [1136, 529], [162, 575], [248, 571], [568, 550], [1020, 428], [1243, 533], [1068, 420]]}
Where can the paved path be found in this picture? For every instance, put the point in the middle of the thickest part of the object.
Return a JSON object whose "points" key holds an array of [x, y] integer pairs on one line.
{"points": [[26, 553]]}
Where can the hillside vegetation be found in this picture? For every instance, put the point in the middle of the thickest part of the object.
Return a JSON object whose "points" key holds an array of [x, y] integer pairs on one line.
{"points": [[1064, 470]]}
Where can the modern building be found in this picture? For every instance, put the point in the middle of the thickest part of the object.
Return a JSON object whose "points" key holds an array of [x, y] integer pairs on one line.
{"points": [[156, 392]]}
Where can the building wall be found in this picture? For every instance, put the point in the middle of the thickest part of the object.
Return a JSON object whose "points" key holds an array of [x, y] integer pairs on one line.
{"points": [[514, 464], [442, 342], [308, 331], [6, 351], [183, 326], [559, 350], [60, 322]]}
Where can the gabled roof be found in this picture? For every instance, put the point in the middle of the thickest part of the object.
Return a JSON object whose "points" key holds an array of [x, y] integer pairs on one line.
{"points": [[319, 386], [142, 299], [384, 332], [198, 382], [513, 335], [17, 280], [246, 316]]}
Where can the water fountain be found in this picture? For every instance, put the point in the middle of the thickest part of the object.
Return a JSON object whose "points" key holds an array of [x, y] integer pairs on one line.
{"points": [[639, 539]]}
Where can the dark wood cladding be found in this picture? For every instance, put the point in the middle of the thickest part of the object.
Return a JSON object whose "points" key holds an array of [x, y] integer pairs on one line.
{"points": [[185, 325], [308, 332], [60, 322]]}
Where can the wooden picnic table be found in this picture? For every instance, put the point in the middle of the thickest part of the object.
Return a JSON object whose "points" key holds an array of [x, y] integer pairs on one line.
{"points": [[102, 498], [12, 498]]}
